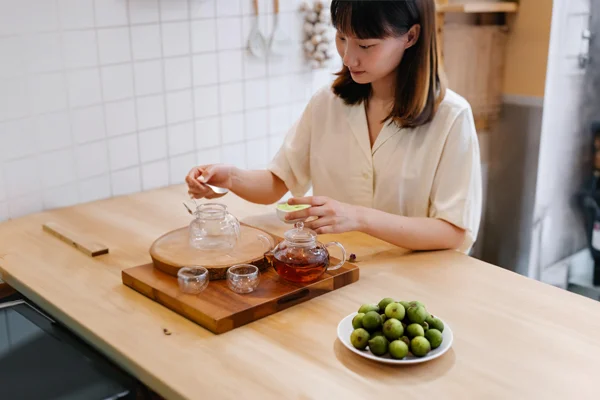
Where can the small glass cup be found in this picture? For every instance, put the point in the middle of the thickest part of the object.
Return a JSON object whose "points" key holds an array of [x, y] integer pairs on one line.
{"points": [[243, 278], [192, 280]]}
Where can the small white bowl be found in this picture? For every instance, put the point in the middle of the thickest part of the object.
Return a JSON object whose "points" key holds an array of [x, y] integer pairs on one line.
{"points": [[281, 213]]}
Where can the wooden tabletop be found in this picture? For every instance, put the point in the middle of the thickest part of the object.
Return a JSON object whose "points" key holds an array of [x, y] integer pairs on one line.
{"points": [[514, 337]]}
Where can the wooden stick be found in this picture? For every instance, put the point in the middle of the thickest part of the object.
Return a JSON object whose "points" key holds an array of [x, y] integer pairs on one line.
{"points": [[80, 242]]}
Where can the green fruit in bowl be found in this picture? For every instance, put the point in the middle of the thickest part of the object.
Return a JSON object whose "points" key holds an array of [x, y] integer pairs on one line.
{"points": [[357, 320], [398, 349], [375, 334], [416, 303], [392, 329], [405, 304], [378, 345], [359, 338], [371, 321], [435, 323], [414, 330], [395, 310], [365, 308], [406, 340], [417, 314], [384, 302], [420, 346], [435, 338], [383, 318]]}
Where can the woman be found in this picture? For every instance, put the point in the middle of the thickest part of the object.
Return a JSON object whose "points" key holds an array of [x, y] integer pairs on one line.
{"points": [[388, 150]]}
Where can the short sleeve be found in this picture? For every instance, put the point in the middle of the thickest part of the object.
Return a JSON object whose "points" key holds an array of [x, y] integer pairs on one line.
{"points": [[456, 193], [291, 162]]}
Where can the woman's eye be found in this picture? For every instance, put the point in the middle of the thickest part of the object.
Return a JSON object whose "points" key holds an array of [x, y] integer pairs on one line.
{"points": [[366, 47]]}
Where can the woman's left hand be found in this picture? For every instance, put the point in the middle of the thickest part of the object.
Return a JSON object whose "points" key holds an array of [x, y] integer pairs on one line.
{"points": [[333, 216]]}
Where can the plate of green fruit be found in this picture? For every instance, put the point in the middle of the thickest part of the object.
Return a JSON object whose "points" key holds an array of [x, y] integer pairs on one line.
{"points": [[395, 332]]}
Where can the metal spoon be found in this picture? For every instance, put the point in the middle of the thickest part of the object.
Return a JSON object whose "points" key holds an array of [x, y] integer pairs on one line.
{"points": [[218, 191], [188, 209]]}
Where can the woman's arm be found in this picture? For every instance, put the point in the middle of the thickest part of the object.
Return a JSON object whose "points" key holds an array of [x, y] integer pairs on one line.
{"points": [[257, 186], [412, 233]]}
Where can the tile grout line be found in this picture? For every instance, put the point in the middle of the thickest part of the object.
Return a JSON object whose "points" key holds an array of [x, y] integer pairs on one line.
{"points": [[191, 47], [164, 92], [135, 103], [69, 107], [218, 84], [103, 104]]}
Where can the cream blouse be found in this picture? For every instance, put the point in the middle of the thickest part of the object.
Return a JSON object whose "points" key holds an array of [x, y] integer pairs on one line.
{"points": [[431, 171]]}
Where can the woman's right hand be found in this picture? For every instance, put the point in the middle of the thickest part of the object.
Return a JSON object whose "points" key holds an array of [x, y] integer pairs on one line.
{"points": [[215, 174]]}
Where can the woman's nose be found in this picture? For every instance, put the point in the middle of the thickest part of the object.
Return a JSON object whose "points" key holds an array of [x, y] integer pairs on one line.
{"points": [[350, 59]]}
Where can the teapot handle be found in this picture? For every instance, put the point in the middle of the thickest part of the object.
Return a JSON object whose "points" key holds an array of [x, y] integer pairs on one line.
{"points": [[236, 224], [268, 240], [338, 265]]}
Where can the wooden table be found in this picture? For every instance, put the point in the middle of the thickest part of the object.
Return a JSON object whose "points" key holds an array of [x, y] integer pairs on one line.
{"points": [[514, 337]]}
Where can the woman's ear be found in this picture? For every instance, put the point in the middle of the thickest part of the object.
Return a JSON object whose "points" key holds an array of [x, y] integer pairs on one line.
{"points": [[413, 35]]}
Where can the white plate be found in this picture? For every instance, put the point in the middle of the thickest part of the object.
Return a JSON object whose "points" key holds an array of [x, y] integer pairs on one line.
{"points": [[345, 329]]}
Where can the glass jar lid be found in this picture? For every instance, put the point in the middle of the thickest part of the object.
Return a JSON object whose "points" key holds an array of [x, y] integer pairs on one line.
{"points": [[300, 234]]}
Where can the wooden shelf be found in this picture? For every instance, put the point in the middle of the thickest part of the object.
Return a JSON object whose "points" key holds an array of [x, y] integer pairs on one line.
{"points": [[483, 7]]}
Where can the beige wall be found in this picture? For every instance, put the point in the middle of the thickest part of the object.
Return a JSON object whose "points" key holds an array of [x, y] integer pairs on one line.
{"points": [[527, 51]]}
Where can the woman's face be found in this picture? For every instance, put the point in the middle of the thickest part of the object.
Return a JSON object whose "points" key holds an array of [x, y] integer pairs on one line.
{"points": [[372, 59]]}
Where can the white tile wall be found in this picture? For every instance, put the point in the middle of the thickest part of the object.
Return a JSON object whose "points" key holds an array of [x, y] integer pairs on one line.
{"points": [[102, 98]]}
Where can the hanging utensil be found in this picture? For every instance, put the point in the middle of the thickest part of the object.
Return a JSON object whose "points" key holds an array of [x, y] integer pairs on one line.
{"points": [[279, 42], [256, 41]]}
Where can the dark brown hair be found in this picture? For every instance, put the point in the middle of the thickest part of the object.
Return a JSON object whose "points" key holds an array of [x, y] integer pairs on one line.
{"points": [[421, 85]]}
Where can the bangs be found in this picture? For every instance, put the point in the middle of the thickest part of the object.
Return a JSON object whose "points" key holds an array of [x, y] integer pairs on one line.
{"points": [[370, 19]]}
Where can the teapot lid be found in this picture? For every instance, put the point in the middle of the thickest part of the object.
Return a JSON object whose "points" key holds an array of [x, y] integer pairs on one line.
{"points": [[300, 234]]}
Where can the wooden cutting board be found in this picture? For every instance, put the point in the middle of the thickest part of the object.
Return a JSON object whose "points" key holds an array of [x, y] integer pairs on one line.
{"points": [[219, 310], [172, 251]]}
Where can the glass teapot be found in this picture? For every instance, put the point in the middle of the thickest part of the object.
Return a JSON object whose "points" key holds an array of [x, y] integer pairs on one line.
{"points": [[214, 228], [300, 257]]}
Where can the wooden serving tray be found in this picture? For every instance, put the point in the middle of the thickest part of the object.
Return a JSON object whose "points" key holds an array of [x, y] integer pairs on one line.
{"points": [[172, 251], [219, 309]]}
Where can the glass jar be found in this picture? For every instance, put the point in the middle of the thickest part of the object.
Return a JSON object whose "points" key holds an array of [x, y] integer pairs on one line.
{"points": [[300, 257], [214, 228]]}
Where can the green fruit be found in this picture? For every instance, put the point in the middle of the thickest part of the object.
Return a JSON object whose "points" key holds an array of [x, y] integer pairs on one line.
{"points": [[378, 345], [383, 318], [357, 321], [414, 330], [405, 304], [395, 310], [392, 329], [406, 340], [435, 338], [398, 349], [416, 303], [359, 338], [384, 302], [420, 346], [417, 314], [435, 323], [425, 326], [371, 321], [365, 308], [375, 334]]}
